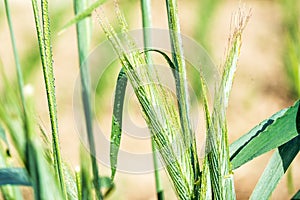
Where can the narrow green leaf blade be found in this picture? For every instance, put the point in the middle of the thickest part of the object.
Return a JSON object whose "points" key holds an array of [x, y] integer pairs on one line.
{"points": [[83, 14], [116, 129], [270, 134], [276, 168], [167, 58], [14, 176]]}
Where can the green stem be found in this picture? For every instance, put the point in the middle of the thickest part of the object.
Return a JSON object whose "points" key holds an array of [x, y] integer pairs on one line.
{"points": [[178, 58], [83, 28], [16, 56], [44, 39], [146, 17], [182, 89]]}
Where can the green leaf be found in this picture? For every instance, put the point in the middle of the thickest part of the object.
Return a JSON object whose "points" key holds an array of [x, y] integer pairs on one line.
{"points": [[276, 168], [268, 135], [168, 59], [14, 176], [296, 196], [83, 14], [116, 129]]}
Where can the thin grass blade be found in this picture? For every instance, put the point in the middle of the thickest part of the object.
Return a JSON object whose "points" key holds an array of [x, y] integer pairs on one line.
{"points": [[44, 40], [116, 130], [83, 14]]}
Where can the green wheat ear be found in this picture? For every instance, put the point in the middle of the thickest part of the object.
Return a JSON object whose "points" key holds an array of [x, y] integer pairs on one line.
{"points": [[217, 158], [165, 138]]}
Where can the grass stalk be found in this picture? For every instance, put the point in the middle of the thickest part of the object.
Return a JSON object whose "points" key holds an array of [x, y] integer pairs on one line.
{"points": [[44, 40], [16, 56], [146, 18], [178, 59], [83, 28], [182, 91]]}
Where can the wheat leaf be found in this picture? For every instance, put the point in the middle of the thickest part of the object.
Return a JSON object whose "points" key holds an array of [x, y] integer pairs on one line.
{"points": [[116, 129], [276, 168], [270, 134], [14, 176]]}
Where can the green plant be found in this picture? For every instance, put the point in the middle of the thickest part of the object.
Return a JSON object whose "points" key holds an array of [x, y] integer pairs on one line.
{"points": [[168, 119]]}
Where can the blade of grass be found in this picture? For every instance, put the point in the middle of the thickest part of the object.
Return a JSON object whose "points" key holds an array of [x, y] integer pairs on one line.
{"points": [[30, 155], [116, 129], [44, 40], [83, 13], [146, 18], [16, 56], [276, 168], [83, 28], [14, 176], [178, 59], [266, 136]]}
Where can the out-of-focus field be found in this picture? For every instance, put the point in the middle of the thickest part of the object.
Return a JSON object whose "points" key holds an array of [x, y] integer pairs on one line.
{"points": [[260, 87]]}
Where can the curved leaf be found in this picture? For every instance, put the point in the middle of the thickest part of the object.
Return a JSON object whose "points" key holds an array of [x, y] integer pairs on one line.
{"points": [[116, 129], [270, 134], [168, 59], [14, 176]]}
